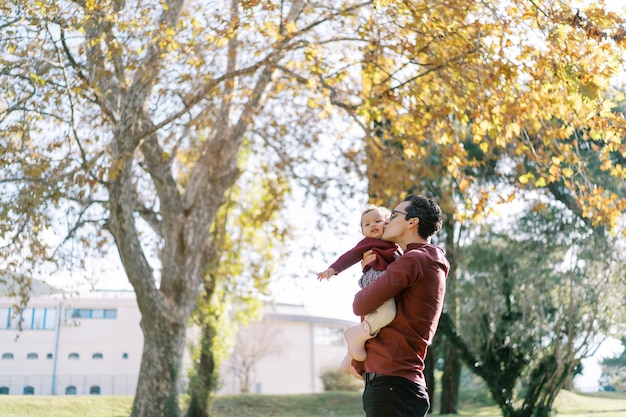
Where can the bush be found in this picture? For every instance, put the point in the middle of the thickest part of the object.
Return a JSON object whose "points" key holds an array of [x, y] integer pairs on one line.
{"points": [[335, 380]]}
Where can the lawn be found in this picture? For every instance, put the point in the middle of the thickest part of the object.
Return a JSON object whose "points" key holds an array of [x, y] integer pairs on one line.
{"points": [[336, 404]]}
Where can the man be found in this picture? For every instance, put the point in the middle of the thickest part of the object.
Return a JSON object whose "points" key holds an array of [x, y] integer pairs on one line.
{"points": [[393, 369]]}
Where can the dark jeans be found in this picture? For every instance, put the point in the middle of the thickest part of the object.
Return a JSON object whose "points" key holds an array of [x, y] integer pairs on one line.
{"points": [[393, 396]]}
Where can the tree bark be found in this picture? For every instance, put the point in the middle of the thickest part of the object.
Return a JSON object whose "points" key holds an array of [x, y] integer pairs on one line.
{"points": [[202, 381], [450, 382], [161, 363], [429, 371]]}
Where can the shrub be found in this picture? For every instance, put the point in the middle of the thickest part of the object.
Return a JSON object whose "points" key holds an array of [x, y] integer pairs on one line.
{"points": [[335, 380]]}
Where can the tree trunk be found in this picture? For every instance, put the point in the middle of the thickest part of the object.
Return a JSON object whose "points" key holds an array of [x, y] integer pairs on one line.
{"points": [[202, 381], [450, 382], [429, 370], [157, 392]]}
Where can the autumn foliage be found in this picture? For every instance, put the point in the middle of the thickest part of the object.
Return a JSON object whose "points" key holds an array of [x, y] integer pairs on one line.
{"points": [[525, 90]]}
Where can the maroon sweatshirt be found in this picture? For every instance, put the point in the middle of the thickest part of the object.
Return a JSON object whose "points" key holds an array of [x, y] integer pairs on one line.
{"points": [[417, 280], [384, 255]]}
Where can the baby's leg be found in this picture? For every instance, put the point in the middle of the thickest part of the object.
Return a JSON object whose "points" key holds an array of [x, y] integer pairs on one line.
{"points": [[357, 336], [347, 368], [381, 317]]}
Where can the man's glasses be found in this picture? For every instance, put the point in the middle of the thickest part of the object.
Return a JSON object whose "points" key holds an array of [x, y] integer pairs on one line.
{"points": [[394, 214]]}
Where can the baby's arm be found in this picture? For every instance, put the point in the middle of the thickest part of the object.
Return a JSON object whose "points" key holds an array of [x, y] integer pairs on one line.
{"points": [[351, 257], [326, 274]]}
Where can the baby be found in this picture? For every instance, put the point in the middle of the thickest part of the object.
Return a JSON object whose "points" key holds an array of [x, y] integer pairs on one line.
{"points": [[373, 220]]}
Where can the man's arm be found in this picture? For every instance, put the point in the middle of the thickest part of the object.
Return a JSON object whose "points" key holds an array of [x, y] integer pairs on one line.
{"points": [[385, 287]]}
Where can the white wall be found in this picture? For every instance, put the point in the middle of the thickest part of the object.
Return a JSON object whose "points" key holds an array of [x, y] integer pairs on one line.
{"points": [[308, 346]]}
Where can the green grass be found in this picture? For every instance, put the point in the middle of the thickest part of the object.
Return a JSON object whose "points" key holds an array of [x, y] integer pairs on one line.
{"points": [[64, 406], [588, 405], [335, 404]]}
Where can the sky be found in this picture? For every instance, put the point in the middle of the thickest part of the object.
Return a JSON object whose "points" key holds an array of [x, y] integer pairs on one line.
{"points": [[588, 381]]}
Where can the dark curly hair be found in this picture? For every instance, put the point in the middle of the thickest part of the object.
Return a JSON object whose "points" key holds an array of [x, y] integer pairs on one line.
{"points": [[427, 211]]}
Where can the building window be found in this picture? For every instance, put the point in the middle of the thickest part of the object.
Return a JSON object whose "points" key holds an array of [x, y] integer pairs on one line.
{"points": [[97, 313], [109, 314], [96, 356], [43, 318], [4, 390], [95, 390], [32, 356], [71, 390], [90, 313], [7, 356], [328, 336], [28, 319], [49, 356], [73, 355], [28, 390], [5, 318], [77, 313], [124, 355]]}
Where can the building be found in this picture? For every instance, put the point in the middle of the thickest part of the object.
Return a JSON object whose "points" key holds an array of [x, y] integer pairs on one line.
{"points": [[87, 345], [92, 344]]}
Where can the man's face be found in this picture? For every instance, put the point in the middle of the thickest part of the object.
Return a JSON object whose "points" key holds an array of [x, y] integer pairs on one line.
{"points": [[396, 226]]}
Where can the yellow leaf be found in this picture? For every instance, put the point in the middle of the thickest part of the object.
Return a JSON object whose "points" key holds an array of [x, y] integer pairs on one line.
{"points": [[463, 185], [554, 171], [221, 42], [410, 152], [291, 27], [524, 179], [515, 128]]}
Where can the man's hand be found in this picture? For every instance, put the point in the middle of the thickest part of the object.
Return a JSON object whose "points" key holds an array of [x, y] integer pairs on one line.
{"points": [[368, 258]]}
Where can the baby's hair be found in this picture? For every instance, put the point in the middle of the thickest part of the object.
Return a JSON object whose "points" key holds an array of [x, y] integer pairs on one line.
{"points": [[384, 211]]}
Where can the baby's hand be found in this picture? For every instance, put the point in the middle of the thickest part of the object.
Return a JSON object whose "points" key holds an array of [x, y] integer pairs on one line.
{"points": [[326, 274]]}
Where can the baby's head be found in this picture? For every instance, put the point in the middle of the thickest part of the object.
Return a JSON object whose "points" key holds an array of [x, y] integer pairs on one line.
{"points": [[373, 221]]}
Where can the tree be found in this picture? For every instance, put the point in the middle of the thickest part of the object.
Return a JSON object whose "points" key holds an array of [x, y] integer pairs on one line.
{"points": [[249, 236], [126, 120], [462, 95], [526, 85], [253, 344], [536, 293]]}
